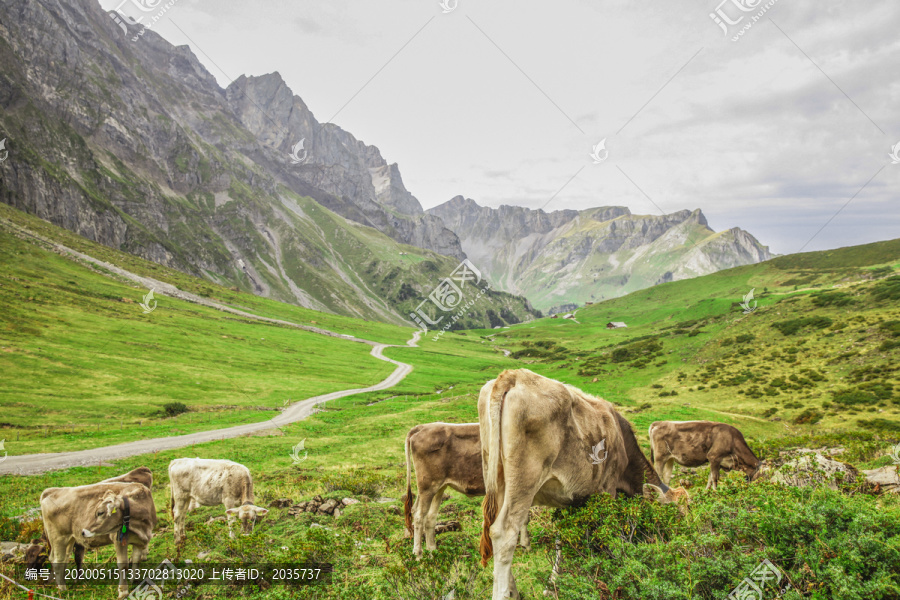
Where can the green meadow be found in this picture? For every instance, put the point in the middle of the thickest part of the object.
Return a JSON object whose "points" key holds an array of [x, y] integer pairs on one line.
{"points": [[814, 365]]}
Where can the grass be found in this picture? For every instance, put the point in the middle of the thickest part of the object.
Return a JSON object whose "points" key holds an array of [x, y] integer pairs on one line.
{"points": [[81, 350]]}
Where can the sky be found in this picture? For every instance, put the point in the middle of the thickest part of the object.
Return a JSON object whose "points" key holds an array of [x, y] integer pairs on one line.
{"points": [[785, 130]]}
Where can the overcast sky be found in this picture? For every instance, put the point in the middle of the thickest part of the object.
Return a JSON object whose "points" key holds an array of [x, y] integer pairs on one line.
{"points": [[503, 101]]}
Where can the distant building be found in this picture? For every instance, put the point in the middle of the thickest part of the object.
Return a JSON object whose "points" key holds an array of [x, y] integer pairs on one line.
{"points": [[615, 325]]}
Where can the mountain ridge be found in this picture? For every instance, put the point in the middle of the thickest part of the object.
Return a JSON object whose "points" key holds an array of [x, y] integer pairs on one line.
{"points": [[570, 257]]}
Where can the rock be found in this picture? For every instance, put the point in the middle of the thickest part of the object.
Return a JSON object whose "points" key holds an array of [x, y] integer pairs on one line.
{"points": [[29, 515], [811, 470], [318, 499], [212, 520], [336, 513], [328, 506], [317, 526], [385, 500], [203, 555], [12, 548], [349, 501], [445, 526], [884, 480], [281, 503]]}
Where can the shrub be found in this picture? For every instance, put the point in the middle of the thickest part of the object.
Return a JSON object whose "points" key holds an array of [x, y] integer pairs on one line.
{"points": [[854, 397], [810, 415], [359, 482], [792, 326], [172, 409]]}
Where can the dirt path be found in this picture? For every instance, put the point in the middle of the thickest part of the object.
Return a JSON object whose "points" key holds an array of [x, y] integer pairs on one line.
{"points": [[29, 464]]}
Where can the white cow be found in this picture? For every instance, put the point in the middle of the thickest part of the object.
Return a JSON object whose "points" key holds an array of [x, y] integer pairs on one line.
{"points": [[211, 482]]}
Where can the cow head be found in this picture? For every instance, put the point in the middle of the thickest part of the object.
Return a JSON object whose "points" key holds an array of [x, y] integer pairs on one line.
{"points": [[36, 554], [106, 515], [678, 495], [247, 513], [753, 471]]}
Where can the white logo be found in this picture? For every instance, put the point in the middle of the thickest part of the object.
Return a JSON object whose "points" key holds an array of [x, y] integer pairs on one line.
{"points": [[146, 590], [295, 453], [4, 451], [596, 152], [895, 455], [6, 152], [895, 153], [295, 153], [595, 452], [746, 303], [146, 303], [755, 585], [449, 5]]}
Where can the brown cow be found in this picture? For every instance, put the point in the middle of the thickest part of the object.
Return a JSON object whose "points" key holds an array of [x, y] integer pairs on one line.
{"points": [[36, 553], [544, 442], [445, 455], [81, 514], [693, 443]]}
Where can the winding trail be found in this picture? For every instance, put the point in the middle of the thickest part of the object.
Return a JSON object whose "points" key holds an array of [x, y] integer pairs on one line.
{"points": [[30, 464]]}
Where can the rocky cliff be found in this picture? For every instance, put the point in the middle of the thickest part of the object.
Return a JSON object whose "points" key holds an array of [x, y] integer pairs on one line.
{"points": [[571, 256], [135, 145]]}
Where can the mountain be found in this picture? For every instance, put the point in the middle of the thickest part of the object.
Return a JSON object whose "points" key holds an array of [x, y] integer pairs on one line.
{"points": [[134, 145], [569, 256]]}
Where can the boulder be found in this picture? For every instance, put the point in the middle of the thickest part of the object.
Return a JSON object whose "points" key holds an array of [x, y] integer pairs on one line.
{"points": [[445, 526], [812, 470], [349, 501], [280, 503]]}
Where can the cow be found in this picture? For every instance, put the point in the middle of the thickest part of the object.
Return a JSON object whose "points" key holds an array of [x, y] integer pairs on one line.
{"points": [[101, 511], [693, 443], [544, 442], [36, 553], [211, 482], [445, 455]]}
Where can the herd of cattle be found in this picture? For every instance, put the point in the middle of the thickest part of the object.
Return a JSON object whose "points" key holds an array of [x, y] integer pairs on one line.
{"points": [[537, 442]]}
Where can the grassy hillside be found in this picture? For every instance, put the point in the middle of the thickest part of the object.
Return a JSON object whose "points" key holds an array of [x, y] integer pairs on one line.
{"points": [[685, 337]]}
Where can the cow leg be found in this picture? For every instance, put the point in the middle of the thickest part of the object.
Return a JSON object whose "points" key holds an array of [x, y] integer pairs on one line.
{"points": [[422, 505], [122, 564], [713, 480], [666, 473], [431, 517], [512, 517], [524, 538], [59, 558], [180, 506], [79, 559]]}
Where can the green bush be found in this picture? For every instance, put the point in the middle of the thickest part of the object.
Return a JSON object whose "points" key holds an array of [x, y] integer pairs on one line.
{"points": [[172, 409], [810, 415], [827, 545], [792, 326]]}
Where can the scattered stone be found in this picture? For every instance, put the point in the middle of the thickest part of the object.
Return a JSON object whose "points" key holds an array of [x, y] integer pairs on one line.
{"points": [[385, 500], [349, 501], [328, 506], [281, 503], [884, 480], [317, 526], [445, 526], [215, 520], [336, 513], [203, 555], [29, 515]]}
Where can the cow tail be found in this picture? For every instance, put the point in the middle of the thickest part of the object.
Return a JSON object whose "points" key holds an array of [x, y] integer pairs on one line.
{"points": [[650, 435], [408, 499], [504, 383], [172, 502]]}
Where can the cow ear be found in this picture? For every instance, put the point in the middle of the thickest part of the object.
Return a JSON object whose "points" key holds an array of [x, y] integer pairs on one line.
{"points": [[232, 511], [652, 492], [262, 511]]}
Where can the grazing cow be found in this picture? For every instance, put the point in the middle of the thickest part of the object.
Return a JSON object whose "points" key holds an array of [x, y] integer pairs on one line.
{"points": [[693, 443], [544, 442], [445, 455], [79, 515], [36, 553], [211, 482]]}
